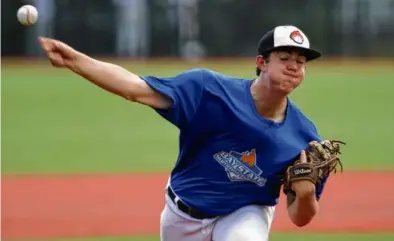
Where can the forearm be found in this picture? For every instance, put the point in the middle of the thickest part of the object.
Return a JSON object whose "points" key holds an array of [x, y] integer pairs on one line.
{"points": [[301, 210], [109, 77]]}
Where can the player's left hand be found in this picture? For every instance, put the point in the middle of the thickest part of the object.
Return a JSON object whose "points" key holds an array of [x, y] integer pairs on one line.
{"points": [[316, 162], [303, 188]]}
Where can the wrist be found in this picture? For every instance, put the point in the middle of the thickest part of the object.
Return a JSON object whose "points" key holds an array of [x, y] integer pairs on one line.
{"points": [[305, 195], [78, 62], [306, 191]]}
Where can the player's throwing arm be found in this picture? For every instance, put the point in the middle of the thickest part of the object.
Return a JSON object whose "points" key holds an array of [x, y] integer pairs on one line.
{"points": [[110, 77]]}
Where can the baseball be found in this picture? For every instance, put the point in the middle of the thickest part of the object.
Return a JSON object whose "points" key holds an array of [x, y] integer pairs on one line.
{"points": [[27, 15]]}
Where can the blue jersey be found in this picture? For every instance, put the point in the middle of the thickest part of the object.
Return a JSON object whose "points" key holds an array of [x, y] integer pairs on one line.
{"points": [[229, 155]]}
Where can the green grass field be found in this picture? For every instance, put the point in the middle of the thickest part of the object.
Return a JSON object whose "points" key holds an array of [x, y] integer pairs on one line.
{"points": [[274, 237], [55, 122]]}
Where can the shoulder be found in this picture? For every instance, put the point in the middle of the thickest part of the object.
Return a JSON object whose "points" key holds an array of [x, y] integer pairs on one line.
{"points": [[193, 74], [201, 79], [221, 77], [201, 76], [206, 79], [221, 82]]}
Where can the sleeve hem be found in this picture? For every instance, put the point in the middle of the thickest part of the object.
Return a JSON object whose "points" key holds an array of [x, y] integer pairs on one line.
{"points": [[164, 91]]}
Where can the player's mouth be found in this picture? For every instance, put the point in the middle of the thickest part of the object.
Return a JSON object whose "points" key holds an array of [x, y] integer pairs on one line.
{"points": [[296, 76]]}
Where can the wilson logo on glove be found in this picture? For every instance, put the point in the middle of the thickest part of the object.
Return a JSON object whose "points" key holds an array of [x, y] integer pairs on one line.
{"points": [[302, 171]]}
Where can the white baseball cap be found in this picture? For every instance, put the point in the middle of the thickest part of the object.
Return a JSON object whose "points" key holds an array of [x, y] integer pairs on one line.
{"points": [[287, 37]]}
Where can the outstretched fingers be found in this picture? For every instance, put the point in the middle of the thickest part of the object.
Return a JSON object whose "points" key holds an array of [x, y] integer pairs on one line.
{"points": [[303, 158]]}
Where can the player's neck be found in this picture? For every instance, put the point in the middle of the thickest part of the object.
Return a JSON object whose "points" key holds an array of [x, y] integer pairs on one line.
{"points": [[270, 104]]}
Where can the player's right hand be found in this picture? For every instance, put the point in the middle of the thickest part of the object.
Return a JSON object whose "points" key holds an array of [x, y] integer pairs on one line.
{"points": [[303, 188], [59, 54]]}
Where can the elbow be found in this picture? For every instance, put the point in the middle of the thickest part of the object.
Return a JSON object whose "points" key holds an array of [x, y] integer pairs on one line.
{"points": [[136, 91], [129, 97], [129, 94], [301, 222], [303, 219]]}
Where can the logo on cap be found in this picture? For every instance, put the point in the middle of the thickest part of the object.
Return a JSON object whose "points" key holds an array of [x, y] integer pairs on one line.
{"points": [[296, 36]]}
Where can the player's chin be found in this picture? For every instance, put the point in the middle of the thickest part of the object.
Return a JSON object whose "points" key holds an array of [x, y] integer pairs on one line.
{"points": [[289, 86], [287, 90]]}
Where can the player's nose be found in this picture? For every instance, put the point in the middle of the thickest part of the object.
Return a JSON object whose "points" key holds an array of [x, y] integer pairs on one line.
{"points": [[292, 66]]}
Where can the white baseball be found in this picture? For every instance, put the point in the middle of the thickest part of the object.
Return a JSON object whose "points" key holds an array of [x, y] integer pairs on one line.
{"points": [[27, 15]]}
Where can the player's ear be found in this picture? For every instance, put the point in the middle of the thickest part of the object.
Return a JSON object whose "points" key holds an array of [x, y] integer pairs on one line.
{"points": [[261, 63]]}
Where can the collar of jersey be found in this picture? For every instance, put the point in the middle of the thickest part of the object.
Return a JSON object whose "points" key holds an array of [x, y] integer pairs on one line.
{"points": [[256, 113]]}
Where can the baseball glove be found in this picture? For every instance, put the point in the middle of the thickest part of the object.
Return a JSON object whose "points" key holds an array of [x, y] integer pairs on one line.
{"points": [[322, 160]]}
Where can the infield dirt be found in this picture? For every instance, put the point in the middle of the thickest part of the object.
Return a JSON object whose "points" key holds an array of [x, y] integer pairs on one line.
{"points": [[93, 205]]}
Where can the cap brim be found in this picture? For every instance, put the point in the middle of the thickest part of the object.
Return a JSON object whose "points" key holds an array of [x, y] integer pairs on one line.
{"points": [[310, 54]]}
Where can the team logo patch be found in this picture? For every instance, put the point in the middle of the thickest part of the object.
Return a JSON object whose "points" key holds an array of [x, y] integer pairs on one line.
{"points": [[241, 166], [297, 37]]}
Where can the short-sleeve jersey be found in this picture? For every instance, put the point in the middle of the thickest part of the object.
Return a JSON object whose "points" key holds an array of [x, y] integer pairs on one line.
{"points": [[229, 155]]}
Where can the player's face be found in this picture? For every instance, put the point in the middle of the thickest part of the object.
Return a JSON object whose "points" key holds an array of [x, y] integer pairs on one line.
{"points": [[286, 70]]}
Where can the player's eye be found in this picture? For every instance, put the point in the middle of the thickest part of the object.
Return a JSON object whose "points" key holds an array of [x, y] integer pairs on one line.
{"points": [[284, 58]]}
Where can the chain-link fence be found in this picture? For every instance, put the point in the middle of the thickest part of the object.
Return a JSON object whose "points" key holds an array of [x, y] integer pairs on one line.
{"points": [[198, 28]]}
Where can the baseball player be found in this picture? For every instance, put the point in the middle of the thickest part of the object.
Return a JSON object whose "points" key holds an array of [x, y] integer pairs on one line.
{"points": [[240, 140]]}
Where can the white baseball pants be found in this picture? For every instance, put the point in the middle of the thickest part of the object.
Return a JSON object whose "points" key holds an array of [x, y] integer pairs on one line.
{"points": [[248, 223]]}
